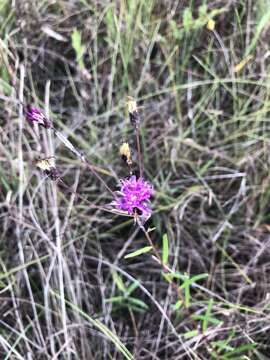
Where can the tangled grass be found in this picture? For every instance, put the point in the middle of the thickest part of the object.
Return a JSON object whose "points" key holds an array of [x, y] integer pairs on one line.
{"points": [[71, 286]]}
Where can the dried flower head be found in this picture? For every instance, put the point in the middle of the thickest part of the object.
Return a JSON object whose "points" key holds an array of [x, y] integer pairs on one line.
{"points": [[134, 198], [133, 111], [34, 115], [48, 166], [125, 153]]}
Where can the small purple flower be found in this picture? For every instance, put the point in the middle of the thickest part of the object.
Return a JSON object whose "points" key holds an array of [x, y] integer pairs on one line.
{"points": [[134, 197], [34, 115]]}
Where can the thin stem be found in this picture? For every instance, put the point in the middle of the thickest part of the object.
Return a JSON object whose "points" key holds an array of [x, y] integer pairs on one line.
{"points": [[137, 129], [83, 198], [94, 172], [166, 269], [83, 159]]}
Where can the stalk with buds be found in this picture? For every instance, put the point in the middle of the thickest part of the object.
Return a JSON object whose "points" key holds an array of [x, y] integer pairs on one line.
{"points": [[135, 193]]}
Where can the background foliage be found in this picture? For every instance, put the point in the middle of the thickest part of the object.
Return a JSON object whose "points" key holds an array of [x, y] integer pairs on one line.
{"points": [[199, 70]]}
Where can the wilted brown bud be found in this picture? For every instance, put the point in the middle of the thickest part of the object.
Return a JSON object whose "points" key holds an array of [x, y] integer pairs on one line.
{"points": [[53, 174], [133, 111], [125, 153]]}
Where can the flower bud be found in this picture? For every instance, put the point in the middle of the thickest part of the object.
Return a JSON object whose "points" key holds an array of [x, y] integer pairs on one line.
{"points": [[34, 115]]}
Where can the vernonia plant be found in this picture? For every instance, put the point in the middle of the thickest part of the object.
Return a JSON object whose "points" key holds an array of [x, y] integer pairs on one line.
{"points": [[133, 199]]}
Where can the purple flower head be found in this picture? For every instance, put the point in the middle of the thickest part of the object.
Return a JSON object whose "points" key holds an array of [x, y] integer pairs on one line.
{"points": [[134, 197], [34, 115]]}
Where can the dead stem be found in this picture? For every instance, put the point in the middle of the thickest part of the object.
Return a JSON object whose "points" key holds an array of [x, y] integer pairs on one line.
{"points": [[91, 205], [83, 159], [137, 129]]}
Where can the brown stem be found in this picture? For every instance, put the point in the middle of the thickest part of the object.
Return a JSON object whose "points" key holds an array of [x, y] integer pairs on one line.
{"points": [[92, 169], [137, 129], [83, 159], [91, 205]]}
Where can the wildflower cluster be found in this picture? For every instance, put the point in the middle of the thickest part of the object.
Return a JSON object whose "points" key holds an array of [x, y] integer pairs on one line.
{"points": [[135, 193], [134, 197]]}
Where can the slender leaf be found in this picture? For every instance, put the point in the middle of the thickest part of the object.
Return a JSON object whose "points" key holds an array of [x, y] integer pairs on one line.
{"points": [[165, 249], [101, 327], [190, 334], [138, 252], [207, 315], [119, 282], [77, 45]]}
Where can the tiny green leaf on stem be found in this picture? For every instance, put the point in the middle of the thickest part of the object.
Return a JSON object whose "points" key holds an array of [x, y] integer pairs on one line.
{"points": [[119, 282], [138, 252], [77, 45], [191, 334], [177, 305], [137, 302], [165, 249], [207, 315]]}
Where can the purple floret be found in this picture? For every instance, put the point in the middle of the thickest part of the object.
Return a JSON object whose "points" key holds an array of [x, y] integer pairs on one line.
{"points": [[34, 115], [134, 197]]}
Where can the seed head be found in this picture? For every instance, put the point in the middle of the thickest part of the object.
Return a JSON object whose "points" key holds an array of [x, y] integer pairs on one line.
{"points": [[45, 164], [125, 153], [34, 115], [133, 111], [49, 168]]}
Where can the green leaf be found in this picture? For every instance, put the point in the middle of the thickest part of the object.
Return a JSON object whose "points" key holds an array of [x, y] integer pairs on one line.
{"points": [[187, 295], [177, 305], [190, 334], [165, 249], [132, 287], [203, 10], [176, 31], [186, 286], [209, 319], [137, 302], [119, 282], [187, 19], [5, 83], [193, 279], [110, 25], [207, 315], [262, 24], [240, 349], [167, 277], [143, 250], [175, 275], [77, 45]]}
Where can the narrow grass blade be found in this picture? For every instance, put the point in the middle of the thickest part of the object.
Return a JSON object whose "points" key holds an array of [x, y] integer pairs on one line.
{"points": [[143, 250], [101, 327], [165, 249]]}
